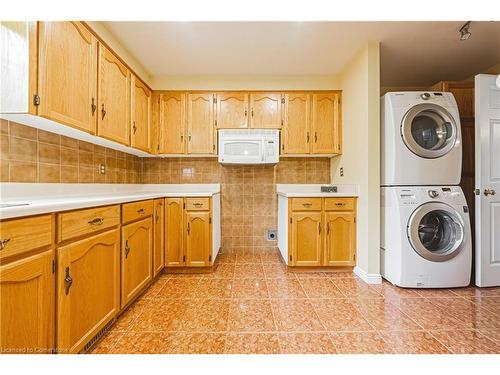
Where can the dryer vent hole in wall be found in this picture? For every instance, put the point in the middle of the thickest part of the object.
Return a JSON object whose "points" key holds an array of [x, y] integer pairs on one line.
{"points": [[272, 234]]}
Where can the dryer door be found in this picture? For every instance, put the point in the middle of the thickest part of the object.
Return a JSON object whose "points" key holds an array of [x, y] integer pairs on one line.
{"points": [[436, 231], [429, 130]]}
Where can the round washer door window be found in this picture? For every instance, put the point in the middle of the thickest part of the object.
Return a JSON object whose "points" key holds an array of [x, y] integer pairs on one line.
{"points": [[429, 130], [436, 231]]}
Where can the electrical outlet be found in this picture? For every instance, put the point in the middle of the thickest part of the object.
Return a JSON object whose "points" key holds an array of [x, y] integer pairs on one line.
{"points": [[272, 235], [102, 168], [341, 171]]}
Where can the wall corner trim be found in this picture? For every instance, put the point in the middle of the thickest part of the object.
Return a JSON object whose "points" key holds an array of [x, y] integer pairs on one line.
{"points": [[369, 278]]}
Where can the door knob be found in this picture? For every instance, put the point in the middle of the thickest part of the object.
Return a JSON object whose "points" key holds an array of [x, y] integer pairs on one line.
{"points": [[489, 192]]}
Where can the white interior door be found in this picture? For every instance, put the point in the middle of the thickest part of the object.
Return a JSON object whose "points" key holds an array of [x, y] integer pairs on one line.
{"points": [[487, 94]]}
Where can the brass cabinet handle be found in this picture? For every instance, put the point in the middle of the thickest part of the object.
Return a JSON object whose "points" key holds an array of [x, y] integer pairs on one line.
{"points": [[489, 192], [307, 204], [127, 249], [93, 106], [327, 228], [315, 137], [319, 228], [103, 111], [188, 229], [339, 204], [189, 137], [246, 113], [157, 217], [252, 112], [197, 204], [307, 136], [96, 221], [3, 243], [134, 128], [68, 280], [140, 211], [182, 138]]}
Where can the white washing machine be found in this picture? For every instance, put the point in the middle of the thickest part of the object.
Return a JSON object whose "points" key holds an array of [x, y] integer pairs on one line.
{"points": [[426, 237], [421, 142]]}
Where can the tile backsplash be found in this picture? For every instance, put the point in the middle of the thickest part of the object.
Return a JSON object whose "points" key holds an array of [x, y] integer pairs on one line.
{"points": [[248, 193], [31, 155]]}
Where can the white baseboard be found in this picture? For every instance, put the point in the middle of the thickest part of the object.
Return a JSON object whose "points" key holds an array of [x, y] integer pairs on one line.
{"points": [[369, 278]]}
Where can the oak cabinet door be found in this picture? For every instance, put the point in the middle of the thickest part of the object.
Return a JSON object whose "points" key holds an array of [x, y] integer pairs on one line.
{"points": [[266, 110], [326, 124], [198, 239], [172, 132], [297, 132], [27, 308], [114, 98], [159, 237], [232, 110], [67, 79], [200, 124], [88, 294], [306, 238], [140, 115], [174, 232], [137, 258], [340, 242]]}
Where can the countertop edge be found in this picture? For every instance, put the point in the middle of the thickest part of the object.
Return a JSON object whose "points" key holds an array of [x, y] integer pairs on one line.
{"points": [[318, 195]]}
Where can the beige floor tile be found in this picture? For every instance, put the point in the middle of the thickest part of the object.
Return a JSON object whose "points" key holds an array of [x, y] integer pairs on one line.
{"points": [[285, 288], [466, 342], [277, 271], [359, 343], [252, 343], [306, 343], [140, 343], [427, 315], [492, 334], [296, 315], [320, 288], [209, 315], [340, 315], [107, 343], [413, 342], [357, 288], [253, 315], [179, 288], [250, 288], [214, 288], [249, 270], [162, 315]]}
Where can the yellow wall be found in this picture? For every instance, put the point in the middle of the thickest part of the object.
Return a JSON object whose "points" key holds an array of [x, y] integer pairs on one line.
{"points": [[360, 82], [238, 82]]}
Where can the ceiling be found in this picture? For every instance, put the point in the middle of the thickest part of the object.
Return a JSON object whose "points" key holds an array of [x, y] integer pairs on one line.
{"points": [[412, 53]]}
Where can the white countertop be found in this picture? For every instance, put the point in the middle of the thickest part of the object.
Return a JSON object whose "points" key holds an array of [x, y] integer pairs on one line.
{"points": [[314, 190], [45, 198]]}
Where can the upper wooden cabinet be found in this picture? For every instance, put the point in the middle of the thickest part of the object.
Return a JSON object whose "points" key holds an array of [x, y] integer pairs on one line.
{"points": [[232, 110], [266, 110], [327, 132], [172, 123], [67, 76], [27, 309], [114, 98], [140, 110], [200, 124], [297, 124]]}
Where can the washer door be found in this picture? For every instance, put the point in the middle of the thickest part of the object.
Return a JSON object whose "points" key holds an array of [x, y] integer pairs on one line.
{"points": [[429, 130], [436, 231]]}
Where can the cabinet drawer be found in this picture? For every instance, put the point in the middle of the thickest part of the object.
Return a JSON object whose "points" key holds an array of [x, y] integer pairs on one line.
{"points": [[197, 204], [306, 204], [136, 210], [22, 235], [340, 204], [81, 222]]}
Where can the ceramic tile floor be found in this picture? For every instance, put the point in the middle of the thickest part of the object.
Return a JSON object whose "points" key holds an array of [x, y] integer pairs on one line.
{"points": [[253, 304]]}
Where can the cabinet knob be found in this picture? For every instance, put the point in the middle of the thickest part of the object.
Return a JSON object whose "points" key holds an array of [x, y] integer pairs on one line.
{"points": [[103, 111], [96, 221], [93, 106], [127, 249], [3, 243], [68, 280], [140, 211]]}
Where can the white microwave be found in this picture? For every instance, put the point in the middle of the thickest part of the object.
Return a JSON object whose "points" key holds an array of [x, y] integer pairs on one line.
{"points": [[253, 146]]}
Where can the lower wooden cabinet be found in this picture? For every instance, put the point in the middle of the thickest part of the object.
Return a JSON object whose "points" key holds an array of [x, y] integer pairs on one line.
{"points": [[198, 244], [27, 309], [340, 239], [306, 238], [174, 232], [159, 236], [88, 285], [188, 232], [322, 232], [136, 258]]}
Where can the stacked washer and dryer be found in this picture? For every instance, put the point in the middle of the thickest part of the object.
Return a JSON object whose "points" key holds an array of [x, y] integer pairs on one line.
{"points": [[426, 234]]}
